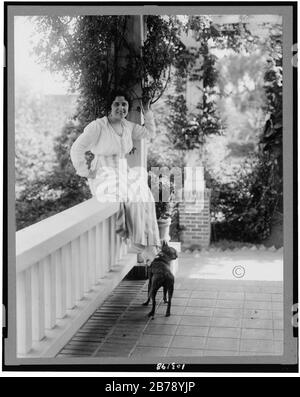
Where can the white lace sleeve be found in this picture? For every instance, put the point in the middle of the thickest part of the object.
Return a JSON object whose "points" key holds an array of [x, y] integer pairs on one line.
{"points": [[83, 143]]}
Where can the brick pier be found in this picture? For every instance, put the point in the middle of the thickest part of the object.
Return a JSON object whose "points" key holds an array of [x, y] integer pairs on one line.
{"points": [[194, 218]]}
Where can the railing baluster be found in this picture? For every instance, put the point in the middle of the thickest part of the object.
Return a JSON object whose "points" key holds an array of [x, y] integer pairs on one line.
{"points": [[106, 244], [50, 291], [24, 312], [103, 248], [75, 260], [85, 261], [92, 257], [66, 258], [38, 301], [98, 248], [118, 247], [60, 285], [112, 243], [82, 263], [123, 248], [94, 267]]}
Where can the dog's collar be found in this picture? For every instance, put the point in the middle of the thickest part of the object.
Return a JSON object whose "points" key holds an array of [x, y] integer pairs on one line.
{"points": [[162, 257]]}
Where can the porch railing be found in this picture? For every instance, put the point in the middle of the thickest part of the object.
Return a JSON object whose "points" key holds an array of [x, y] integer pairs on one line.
{"points": [[66, 266]]}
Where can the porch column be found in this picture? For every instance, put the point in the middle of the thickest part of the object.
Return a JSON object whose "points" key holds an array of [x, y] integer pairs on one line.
{"points": [[135, 36]]}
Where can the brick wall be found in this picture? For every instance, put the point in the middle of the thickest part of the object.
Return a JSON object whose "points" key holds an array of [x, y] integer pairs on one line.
{"points": [[194, 217]]}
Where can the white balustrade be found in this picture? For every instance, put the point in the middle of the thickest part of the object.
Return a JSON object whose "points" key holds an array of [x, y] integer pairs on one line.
{"points": [[61, 261]]}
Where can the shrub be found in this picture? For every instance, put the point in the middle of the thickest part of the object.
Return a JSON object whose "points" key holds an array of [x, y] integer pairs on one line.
{"points": [[243, 209], [49, 196], [57, 190]]}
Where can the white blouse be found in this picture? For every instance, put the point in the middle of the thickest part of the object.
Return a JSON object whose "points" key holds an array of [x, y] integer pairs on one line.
{"points": [[100, 138]]}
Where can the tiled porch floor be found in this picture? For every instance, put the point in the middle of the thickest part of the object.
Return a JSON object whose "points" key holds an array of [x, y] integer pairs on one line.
{"points": [[209, 317]]}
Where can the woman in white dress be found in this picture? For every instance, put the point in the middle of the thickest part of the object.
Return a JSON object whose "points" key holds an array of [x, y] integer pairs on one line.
{"points": [[110, 179]]}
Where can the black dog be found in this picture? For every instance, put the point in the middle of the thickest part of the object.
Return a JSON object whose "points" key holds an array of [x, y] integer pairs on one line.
{"points": [[160, 276]]}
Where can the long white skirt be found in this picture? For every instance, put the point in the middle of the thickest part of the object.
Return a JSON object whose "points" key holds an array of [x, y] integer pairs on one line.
{"points": [[136, 219]]}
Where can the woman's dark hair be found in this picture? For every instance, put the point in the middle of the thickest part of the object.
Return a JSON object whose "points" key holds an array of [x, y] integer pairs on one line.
{"points": [[113, 95]]}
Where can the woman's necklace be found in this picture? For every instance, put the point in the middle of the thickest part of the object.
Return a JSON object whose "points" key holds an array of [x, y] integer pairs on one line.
{"points": [[119, 131]]}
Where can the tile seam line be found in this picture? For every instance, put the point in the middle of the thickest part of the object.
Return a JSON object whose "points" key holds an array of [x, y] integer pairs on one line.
{"points": [[241, 324], [142, 332], [177, 325], [211, 317]]}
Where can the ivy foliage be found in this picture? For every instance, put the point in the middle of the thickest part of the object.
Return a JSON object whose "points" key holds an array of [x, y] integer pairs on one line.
{"points": [[161, 50], [187, 130], [271, 138], [96, 56]]}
